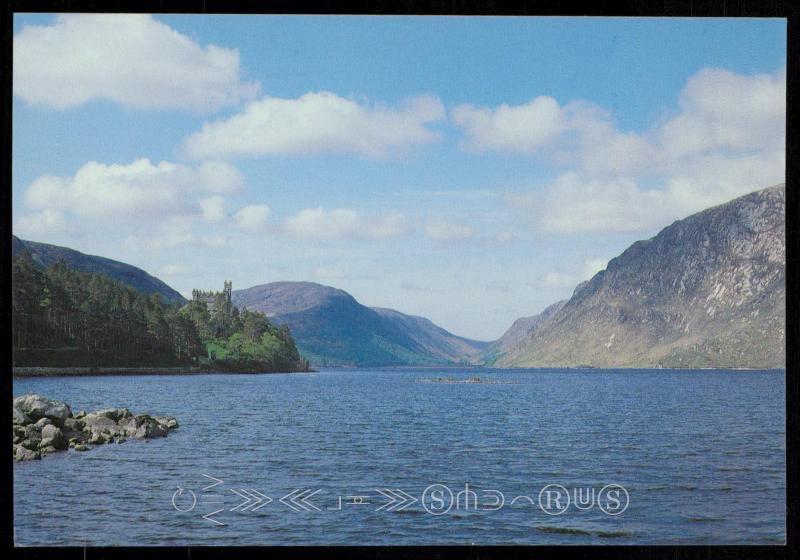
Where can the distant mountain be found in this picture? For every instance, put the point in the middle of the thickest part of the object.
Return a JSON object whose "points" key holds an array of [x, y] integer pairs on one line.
{"points": [[331, 328], [519, 332], [707, 291], [45, 255]]}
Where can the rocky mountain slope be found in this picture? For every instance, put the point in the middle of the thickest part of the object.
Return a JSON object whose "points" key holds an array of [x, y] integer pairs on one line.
{"points": [[45, 255], [707, 291], [519, 332], [332, 328]]}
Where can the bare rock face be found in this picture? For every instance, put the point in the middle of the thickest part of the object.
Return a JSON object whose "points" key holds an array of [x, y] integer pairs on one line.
{"points": [[707, 291], [42, 426]]}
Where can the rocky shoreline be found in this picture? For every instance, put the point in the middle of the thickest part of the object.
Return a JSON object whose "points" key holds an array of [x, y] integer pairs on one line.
{"points": [[42, 426]]}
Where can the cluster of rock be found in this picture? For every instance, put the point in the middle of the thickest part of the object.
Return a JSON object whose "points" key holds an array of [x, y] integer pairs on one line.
{"points": [[41, 426], [474, 380]]}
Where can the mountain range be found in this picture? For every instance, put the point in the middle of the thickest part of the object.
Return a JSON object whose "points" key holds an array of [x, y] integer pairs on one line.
{"points": [[707, 291], [45, 255], [331, 328]]}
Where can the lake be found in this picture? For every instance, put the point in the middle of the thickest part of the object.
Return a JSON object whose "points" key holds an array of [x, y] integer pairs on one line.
{"points": [[377, 457]]}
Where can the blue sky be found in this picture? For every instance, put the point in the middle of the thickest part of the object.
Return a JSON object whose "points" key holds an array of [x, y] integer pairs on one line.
{"points": [[470, 170]]}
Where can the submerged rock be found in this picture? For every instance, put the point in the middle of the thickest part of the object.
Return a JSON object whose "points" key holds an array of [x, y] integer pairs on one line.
{"points": [[42, 426]]}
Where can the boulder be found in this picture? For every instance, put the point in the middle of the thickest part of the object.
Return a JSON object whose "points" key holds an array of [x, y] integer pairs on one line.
{"points": [[73, 424], [116, 414], [148, 427], [19, 418], [58, 412], [24, 454], [97, 438], [169, 422], [33, 405], [96, 424], [81, 447], [53, 437], [37, 407], [129, 426], [43, 422]]}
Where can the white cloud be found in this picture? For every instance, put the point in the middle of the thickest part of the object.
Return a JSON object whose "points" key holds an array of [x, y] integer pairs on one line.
{"points": [[140, 189], [574, 204], [171, 232], [173, 270], [318, 123], [523, 128], [145, 205], [328, 274], [440, 229], [555, 280], [726, 139], [252, 218], [339, 223], [213, 208], [560, 280], [43, 223], [130, 59], [593, 266]]}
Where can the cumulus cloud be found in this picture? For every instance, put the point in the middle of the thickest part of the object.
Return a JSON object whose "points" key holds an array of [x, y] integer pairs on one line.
{"points": [[329, 274], [574, 203], [42, 223], [320, 122], [138, 189], [523, 128], [560, 280], [213, 208], [173, 270], [440, 229], [130, 59], [146, 205], [726, 138], [340, 223], [252, 218]]}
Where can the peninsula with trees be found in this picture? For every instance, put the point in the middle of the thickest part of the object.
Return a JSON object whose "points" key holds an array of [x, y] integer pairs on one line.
{"points": [[64, 317]]}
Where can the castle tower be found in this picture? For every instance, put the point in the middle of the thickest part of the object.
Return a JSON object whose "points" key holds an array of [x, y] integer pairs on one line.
{"points": [[227, 291]]}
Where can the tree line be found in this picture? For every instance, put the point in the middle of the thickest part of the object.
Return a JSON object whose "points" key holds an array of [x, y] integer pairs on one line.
{"points": [[65, 317]]}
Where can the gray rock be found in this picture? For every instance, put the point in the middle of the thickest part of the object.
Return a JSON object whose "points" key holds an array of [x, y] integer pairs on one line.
{"points": [[96, 424], [97, 438], [115, 414], [58, 412], [73, 424], [148, 428], [19, 417], [52, 436], [24, 454], [43, 426], [168, 422], [129, 426], [33, 405]]}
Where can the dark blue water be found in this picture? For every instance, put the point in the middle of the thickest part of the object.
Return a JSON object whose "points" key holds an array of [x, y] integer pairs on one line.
{"points": [[700, 453]]}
